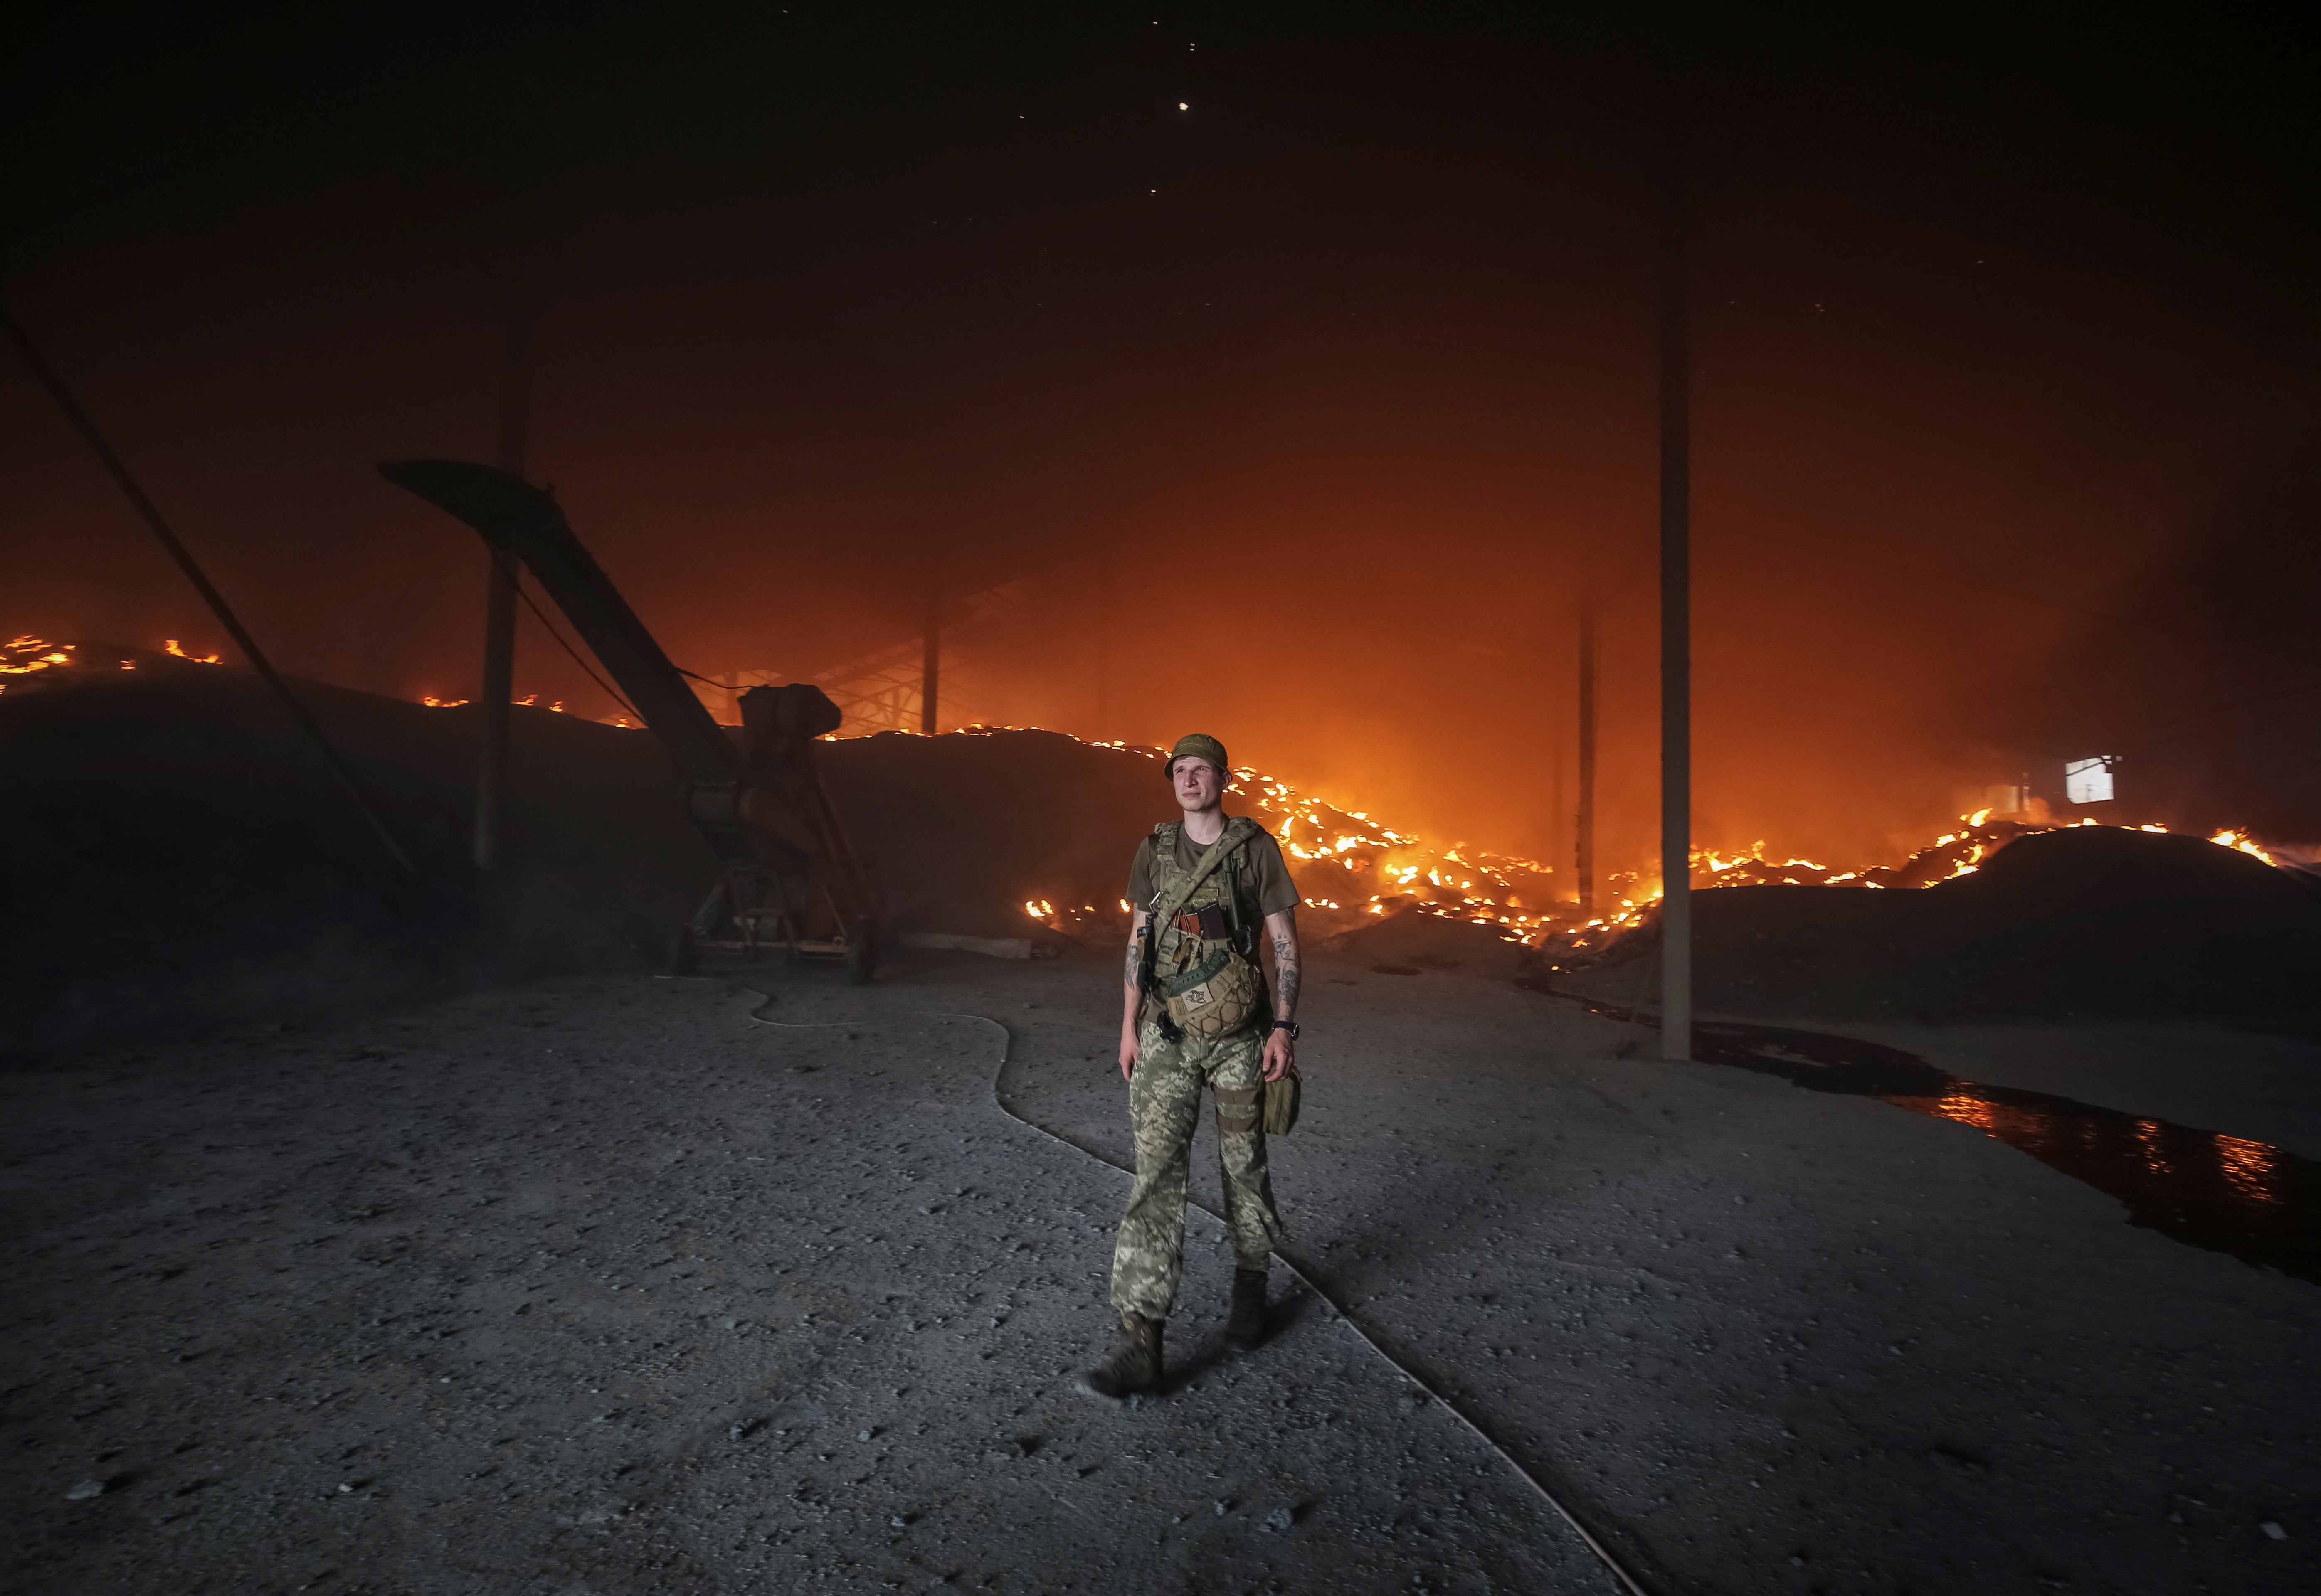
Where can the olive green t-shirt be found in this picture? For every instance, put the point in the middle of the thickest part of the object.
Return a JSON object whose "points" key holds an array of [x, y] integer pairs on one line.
{"points": [[1260, 868]]}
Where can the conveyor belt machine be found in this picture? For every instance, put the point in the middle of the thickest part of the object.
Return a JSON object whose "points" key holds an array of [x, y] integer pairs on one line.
{"points": [[787, 877]]}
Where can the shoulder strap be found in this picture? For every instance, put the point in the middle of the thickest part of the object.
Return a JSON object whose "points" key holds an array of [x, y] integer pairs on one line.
{"points": [[1161, 859], [1237, 832]]}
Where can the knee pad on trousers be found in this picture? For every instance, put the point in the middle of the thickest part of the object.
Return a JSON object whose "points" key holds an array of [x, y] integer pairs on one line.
{"points": [[1237, 1112]]}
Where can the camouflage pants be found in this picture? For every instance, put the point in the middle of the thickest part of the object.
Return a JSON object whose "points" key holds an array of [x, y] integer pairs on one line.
{"points": [[1164, 1103]]}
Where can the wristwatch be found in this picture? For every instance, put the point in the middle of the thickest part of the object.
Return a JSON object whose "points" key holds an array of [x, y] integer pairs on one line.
{"points": [[1288, 1025]]}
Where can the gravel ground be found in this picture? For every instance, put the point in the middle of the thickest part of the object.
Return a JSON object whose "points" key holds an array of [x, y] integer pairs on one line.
{"points": [[605, 1285]]}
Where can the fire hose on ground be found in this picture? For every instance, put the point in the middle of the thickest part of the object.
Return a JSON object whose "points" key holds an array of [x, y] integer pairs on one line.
{"points": [[1304, 1276]]}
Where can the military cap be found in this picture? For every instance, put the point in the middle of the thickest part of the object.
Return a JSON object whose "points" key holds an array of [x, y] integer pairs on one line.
{"points": [[1199, 745]]}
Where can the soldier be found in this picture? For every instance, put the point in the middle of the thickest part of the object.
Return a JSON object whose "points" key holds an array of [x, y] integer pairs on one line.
{"points": [[1194, 1014]]}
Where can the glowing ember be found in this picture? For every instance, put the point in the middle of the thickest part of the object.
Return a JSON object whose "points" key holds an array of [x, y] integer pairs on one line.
{"points": [[171, 647], [529, 701], [25, 655], [1347, 864], [1350, 864]]}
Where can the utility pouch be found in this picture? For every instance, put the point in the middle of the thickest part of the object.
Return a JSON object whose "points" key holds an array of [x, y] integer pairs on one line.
{"points": [[1216, 995], [1280, 1111]]}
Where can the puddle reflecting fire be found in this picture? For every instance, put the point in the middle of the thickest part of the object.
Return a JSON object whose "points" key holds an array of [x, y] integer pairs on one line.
{"points": [[2259, 1203]]}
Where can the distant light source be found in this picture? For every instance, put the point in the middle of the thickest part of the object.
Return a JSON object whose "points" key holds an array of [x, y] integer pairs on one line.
{"points": [[2089, 780], [1182, 106]]}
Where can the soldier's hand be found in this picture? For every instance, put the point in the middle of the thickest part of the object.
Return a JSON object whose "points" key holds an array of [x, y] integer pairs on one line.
{"points": [[1127, 1052], [1280, 1056]]}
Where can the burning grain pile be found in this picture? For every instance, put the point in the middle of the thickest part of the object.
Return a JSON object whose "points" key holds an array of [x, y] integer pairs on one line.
{"points": [[1349, 868], [2078, 922], [174, 856]]}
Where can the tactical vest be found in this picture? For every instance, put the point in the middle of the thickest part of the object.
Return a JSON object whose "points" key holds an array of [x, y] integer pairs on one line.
{"points": [[1204, 981]]}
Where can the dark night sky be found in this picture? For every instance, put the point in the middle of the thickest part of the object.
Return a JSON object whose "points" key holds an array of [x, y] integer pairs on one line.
{"points": [[1342, 374]]}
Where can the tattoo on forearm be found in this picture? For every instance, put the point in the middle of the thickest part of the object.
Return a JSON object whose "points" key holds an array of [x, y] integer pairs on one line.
{"points": [[1285, 985], [1136, 973], [1284, 970]]}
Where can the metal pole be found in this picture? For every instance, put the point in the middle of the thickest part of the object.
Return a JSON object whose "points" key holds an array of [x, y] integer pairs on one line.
{"points": [[1104, 647], [1583, 848], [86, 427], [1555, 810], [931, 671], [497, 689], [1676, 636]]}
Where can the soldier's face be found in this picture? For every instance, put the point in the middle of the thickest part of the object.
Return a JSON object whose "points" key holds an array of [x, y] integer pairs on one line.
{"points": [[1199, 783]]}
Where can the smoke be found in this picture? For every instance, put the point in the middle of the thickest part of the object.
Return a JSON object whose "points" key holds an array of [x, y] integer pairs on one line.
{"points": [[1313, 420], [2202, 679]]}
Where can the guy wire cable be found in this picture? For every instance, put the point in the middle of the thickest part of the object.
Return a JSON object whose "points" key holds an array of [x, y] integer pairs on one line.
{"points": [[69, 406], [515, 570], [1612, 1564]]}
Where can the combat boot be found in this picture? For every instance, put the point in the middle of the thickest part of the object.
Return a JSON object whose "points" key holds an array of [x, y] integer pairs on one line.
{"points": [[1133, 1364], [1245, 1326]]}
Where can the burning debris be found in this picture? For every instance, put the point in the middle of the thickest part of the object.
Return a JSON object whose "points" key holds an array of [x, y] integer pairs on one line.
{"points": [[529, 701], [45, 663], [1349, 865], [2055, 923], [992, 833], [25, 655], [1949, 857]]}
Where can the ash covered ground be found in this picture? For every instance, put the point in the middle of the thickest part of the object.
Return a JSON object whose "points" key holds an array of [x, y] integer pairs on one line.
{"points": [[601, 1283], [456, 1253]]}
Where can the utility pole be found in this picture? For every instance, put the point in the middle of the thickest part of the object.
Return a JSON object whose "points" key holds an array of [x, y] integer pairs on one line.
{"points": [[1583, 832], [1103, 645], [1676, 627], [499, 687], [931, 671], [1555, 810]]}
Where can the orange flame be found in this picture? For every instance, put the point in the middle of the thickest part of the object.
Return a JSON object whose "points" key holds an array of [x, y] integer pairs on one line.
{"points": [[2242, 842], [1402, 871], [25, 655]]}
